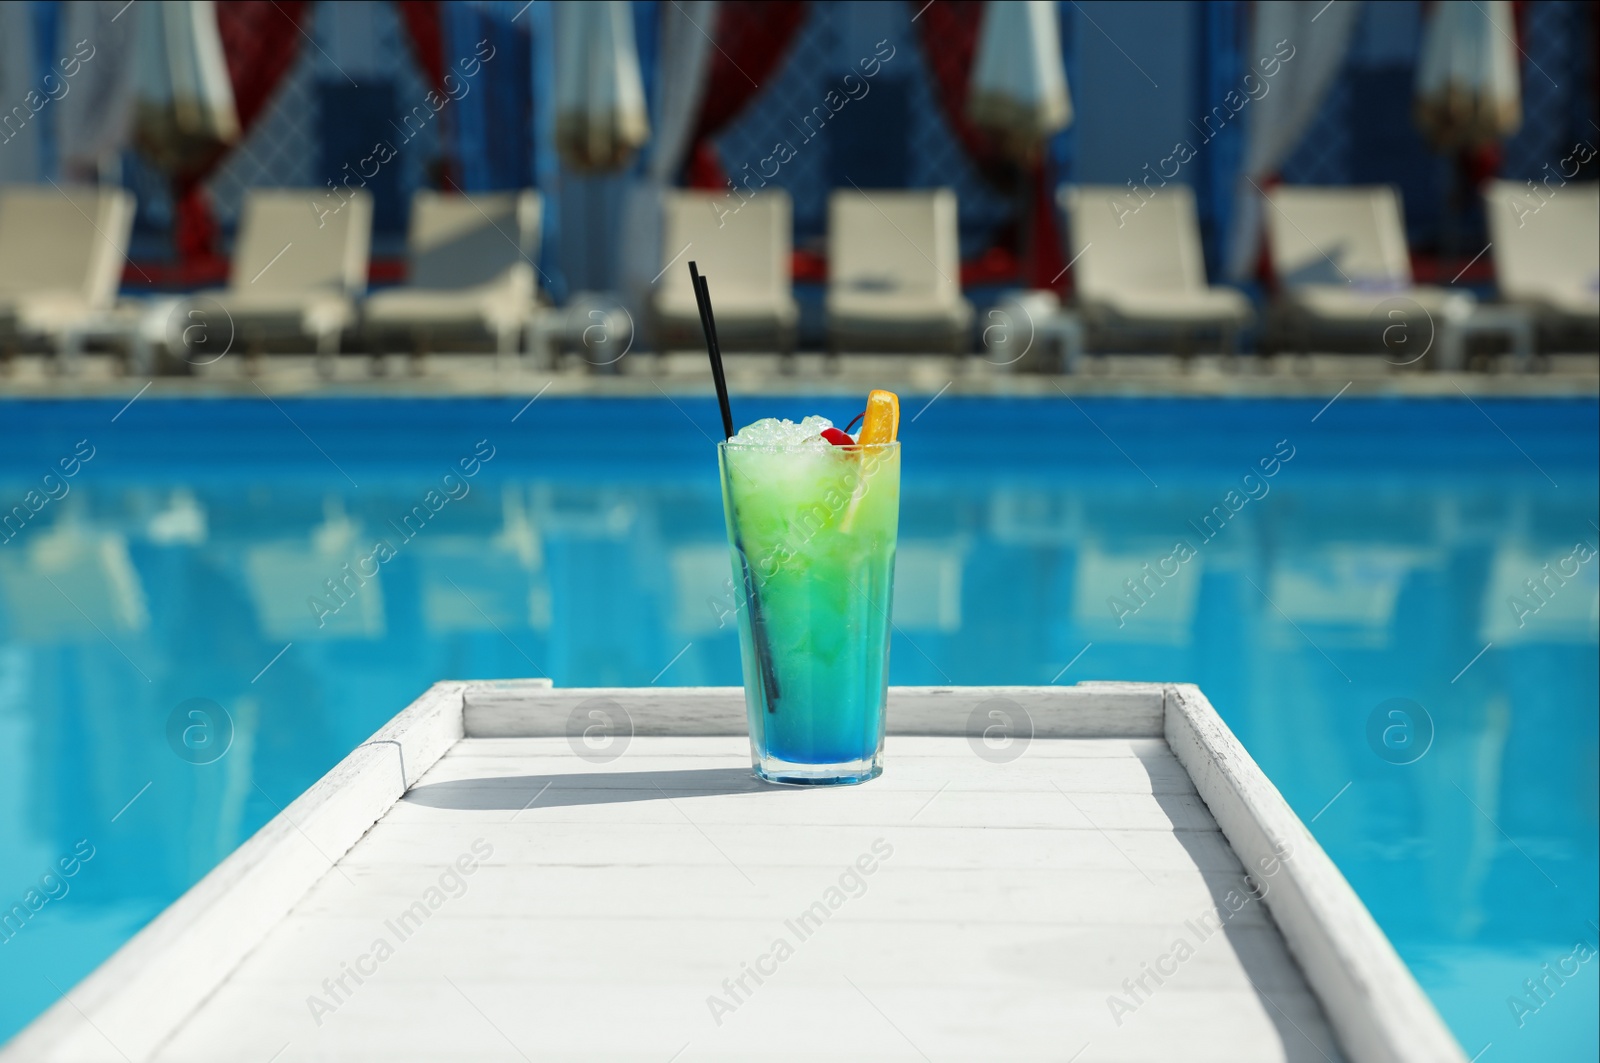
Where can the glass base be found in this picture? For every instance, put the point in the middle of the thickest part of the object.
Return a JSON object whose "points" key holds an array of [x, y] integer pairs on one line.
{"points": [[784, 773]]}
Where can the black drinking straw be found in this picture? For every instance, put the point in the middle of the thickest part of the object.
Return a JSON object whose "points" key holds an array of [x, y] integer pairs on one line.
{"points": [[702, 299], [758, 625]]}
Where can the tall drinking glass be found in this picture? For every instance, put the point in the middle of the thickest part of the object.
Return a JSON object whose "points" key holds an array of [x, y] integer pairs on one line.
{"points": [[812, 531]]}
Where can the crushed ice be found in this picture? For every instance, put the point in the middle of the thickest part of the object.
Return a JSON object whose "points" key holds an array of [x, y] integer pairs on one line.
{"points": [[772, 432]]}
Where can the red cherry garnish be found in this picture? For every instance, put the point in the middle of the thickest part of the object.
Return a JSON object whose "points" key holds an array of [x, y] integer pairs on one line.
{"points": [[838, 438]]}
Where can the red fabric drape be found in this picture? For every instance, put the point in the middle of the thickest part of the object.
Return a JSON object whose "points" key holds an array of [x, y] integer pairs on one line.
{"points": [[950, 43], [424, 25], [1045, 264], [751, 37], [260, 39], [421, 18], [1485, 162]]}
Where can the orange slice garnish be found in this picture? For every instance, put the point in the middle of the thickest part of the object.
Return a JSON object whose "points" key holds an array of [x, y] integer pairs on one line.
{"points": [[882, 422]]}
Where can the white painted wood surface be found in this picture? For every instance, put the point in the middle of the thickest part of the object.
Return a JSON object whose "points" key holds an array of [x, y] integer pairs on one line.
{"points": [[1097, 710], [1381, 1012], [131, 1002], [570, 908]]}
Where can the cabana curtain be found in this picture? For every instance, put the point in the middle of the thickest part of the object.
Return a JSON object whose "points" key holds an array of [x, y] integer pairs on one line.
{"points": [[1468, 83], [601, 119], [684, 63], [426, 37], [1004, 124], [1277, 122], [759, 32], [1018, 88], [183, 99], [95, 119], [949, 33], [260, 40]]}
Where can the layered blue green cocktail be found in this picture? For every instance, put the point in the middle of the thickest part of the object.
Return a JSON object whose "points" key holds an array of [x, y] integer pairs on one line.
{"points": [[812, 527]]}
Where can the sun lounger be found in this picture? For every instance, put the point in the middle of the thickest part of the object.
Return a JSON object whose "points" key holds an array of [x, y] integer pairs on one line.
{"points": [[471, 270], [1547, 249], [1140, 265], [1342, 267], [894, 272], [745, 256], [61, 256], [297, 267]]}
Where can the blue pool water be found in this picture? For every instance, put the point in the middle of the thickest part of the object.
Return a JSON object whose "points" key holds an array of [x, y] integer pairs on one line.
{"points": [[186, 559]]}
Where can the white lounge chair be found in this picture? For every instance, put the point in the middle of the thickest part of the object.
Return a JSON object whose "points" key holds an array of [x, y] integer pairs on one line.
{"points": [[1547, 248], [1144, 267], [745, 256], [1342, 266], [894, 272], [61, 256], [296, 271], [470, 270]]}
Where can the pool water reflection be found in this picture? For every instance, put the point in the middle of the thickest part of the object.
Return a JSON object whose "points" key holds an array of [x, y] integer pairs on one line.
{"points": [[228, 596]]}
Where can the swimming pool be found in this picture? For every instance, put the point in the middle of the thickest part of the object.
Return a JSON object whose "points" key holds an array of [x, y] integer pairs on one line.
{"points": [[174, 667]]}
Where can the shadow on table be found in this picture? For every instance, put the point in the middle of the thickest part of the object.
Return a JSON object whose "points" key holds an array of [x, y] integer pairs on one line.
{"points": [[1292, 1008], [516, 792]]}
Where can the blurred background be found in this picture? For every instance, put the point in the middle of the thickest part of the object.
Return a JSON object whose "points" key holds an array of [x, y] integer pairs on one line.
{"points": [[1284, 149]]}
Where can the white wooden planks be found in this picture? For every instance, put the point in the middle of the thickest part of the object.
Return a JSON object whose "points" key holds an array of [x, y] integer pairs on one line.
{"points": [[491, 1019], [1098, 710], [599, 919], [1042, 897], [1018, 916]]}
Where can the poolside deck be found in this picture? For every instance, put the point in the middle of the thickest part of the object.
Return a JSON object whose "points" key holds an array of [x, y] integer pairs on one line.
{"points": [[1114, 881], [648, 375]]}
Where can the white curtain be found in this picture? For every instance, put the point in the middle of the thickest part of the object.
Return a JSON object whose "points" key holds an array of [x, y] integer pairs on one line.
{"points": [[600, 111], [19, 121], [1276, 123], [1468, 84], [183, 97], [1019, 83], [683, 63], [95, 120]]}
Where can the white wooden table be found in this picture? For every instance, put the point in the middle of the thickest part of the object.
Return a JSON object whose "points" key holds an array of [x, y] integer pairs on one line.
{"points": [[1110, 878]]}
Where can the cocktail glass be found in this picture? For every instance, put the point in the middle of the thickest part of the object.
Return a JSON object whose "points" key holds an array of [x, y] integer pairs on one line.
{"points": [[812, 531]]}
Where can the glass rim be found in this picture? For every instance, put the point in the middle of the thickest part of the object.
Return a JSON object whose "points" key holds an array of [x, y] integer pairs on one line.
{"points": [[805, 448]]}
